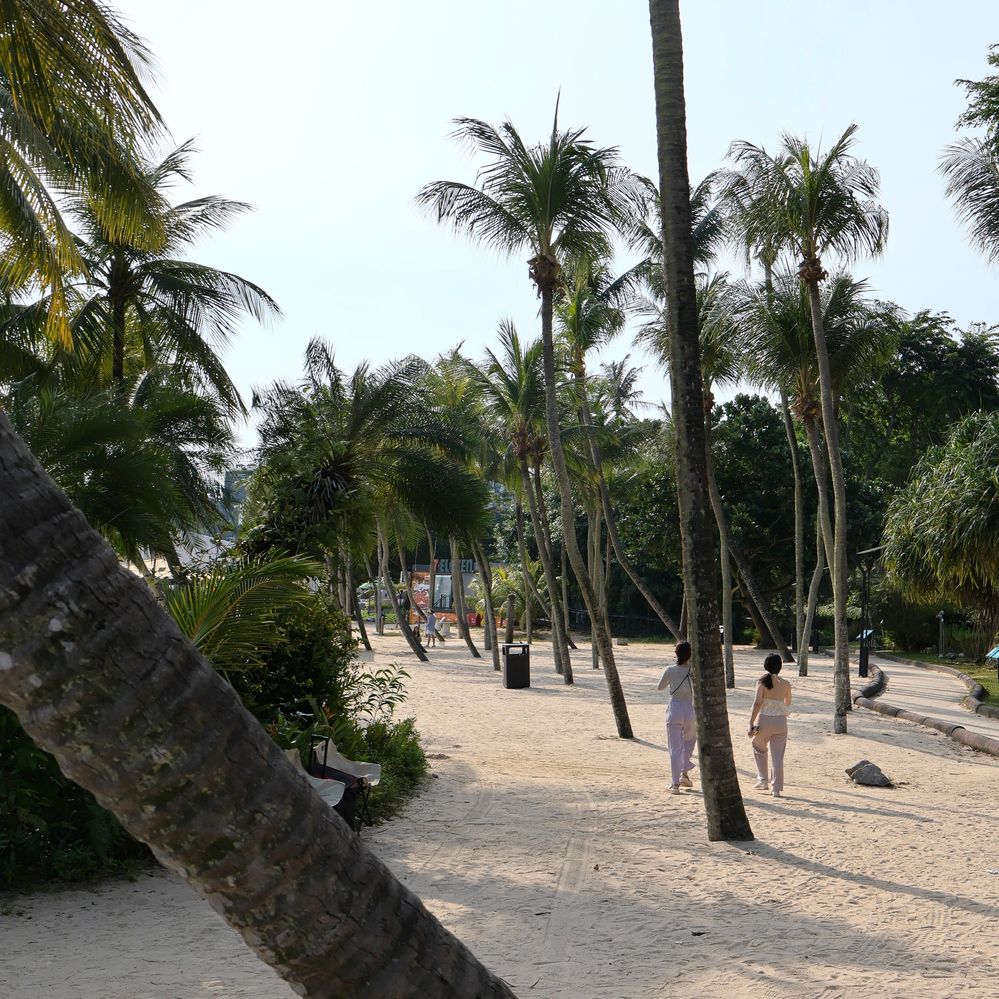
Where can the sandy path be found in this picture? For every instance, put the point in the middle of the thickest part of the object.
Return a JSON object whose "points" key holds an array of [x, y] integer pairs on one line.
{"points": [[548, 845], [938, 695]]}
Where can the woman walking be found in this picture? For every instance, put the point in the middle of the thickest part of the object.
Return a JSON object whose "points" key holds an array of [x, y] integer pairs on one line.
{"points": [[770, 709], [680, 730]]}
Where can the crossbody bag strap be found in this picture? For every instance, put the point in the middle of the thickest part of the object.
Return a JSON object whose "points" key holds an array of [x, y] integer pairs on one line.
{"points": [[686, 679]]}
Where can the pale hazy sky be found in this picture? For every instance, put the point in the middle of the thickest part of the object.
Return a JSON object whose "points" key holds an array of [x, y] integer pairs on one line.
{"points": [[328, 117]]}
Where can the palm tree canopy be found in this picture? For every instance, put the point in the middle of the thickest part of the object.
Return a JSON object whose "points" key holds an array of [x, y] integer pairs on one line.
{"points": [[720, 333], [780, 347], [806, 202], [73, 114], [556, 198], [709, 230], [971, 167], [174, 311], [337, 451]]}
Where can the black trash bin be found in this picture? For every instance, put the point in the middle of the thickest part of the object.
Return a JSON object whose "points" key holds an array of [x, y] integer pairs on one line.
{"points": [[516, 665]]}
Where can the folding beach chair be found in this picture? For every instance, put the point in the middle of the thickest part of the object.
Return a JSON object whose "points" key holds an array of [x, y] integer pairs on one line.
{"points": [[359, 779], [330, 790]]}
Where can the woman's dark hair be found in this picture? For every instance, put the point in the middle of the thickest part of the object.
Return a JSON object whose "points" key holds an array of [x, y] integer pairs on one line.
{"points": [[682, 652], [772, 665]]}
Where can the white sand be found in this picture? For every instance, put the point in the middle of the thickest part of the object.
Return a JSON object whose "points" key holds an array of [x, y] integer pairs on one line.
{"points": [[548, 845]]}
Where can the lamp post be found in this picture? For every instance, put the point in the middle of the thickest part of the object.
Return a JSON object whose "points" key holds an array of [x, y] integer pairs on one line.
{"points": [[867, 558], [942, 643]]}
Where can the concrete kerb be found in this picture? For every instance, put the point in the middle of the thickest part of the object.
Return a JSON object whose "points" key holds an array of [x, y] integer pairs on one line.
{"points": [[973, 740], [976, 692]]}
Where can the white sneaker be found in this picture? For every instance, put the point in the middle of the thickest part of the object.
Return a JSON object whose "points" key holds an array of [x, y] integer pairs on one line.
{"points": [[685, 780], [673, 789], [762, 785], [775, 793]]}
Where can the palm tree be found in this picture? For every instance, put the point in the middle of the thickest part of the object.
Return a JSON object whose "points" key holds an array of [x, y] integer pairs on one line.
{"points": [[724, 809], [513, 385], [143, 465], [588, 316], [103, 679], [721, 364], [781, 352], [558, 199], [171, 306], [813, 205], [971, 167], [341, 459], [73, 112]]}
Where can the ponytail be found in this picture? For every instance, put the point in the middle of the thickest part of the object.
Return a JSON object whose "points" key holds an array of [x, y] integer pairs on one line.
{"points": [[772, 664]]}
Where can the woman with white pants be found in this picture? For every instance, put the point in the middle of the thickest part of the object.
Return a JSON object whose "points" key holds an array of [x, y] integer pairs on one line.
{"points": [[768, 725], [681, 732]]}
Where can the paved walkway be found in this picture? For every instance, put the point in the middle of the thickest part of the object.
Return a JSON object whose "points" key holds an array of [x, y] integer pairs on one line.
{"points": [[916, 688]]}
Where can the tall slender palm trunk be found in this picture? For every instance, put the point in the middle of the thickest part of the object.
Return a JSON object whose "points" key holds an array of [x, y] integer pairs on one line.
{"points": [[593, 559], [724, 554], [813, 599], [564, 576], [187, 770], [432, 561], [546, 543], [830, 426], [542, 536], [799, 526], [530, 589], [491, 641], [547, 272], [610, 517], [733, 551], [725, 812]]}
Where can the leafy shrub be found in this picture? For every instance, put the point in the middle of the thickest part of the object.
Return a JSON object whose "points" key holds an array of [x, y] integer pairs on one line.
{"points": [[312, 658], [51, 829]]}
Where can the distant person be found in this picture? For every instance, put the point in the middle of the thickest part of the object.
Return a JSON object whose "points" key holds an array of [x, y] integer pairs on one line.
{"points": [[431, 629], [681, 733], [770, 709]]}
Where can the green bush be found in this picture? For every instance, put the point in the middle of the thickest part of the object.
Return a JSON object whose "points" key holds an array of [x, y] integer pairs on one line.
{"points": [[313, 659], [51, 829]]}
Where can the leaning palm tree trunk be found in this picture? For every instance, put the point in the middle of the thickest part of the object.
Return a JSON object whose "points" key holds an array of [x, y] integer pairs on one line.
{"points": [[726, 578], [820, 470], [458, 597], [724, 808], [407, 578], [530, 589], [404, 628], [237, 822], [432, 581], [358, 616], [597, 622]]}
